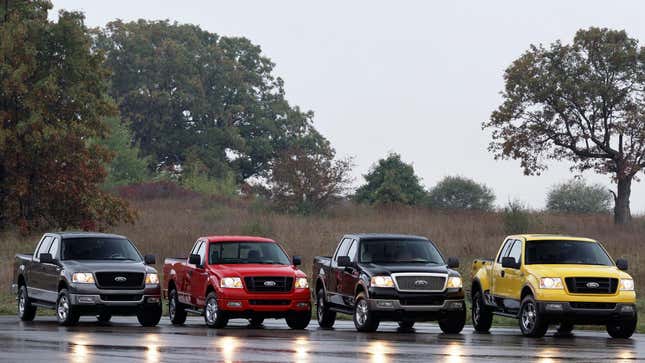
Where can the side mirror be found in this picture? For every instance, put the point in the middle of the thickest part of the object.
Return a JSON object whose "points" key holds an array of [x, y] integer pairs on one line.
{"points": [[296, 260], [453, 262], [621, 263], [509, 262], [149, 259], [343, 261], [195, 260], [46, 258]]}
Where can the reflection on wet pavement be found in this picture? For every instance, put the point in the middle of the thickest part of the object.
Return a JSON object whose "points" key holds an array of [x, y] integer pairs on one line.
{"points": [[124, 340]]}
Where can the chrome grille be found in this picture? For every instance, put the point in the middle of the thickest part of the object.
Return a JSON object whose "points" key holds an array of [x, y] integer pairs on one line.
{"points": [[120, 280], [420, 282]]}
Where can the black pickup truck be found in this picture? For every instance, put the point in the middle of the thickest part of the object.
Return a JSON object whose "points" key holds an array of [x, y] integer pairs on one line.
{"points": [[79, 273], [377, 277]]}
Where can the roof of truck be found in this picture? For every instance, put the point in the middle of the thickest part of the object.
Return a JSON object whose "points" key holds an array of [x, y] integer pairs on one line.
{"points": [[76, 234], [537, 237], [236, 239], [384, 236]]}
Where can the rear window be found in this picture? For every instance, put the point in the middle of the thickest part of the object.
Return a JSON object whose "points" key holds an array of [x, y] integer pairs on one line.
{"points": [[566, 252]]}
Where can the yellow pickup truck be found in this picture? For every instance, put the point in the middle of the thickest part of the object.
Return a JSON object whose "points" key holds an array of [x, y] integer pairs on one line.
{"points": [[550, 279]]}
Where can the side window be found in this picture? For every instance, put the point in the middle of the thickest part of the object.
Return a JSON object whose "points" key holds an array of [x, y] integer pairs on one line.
{"points": [[504, 251], [196, 247], [202, 252], [44, 247], [53, 250], [352, 251], [516, 251], [342, 249]]}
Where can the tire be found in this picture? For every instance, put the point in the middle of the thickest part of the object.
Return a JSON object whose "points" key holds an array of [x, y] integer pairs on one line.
{"points": [[104, 317], [256, 322], [326, 318], [532, 323], [26, 311], [213, 316], [622, 328], [406, 325], [482, 315], [454, 322], [176, 310], [364, 319], [299, 320], [65, 312], [149, 315]]}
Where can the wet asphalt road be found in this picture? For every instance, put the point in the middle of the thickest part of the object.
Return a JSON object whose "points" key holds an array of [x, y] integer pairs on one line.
{"points": [[124, 340]]}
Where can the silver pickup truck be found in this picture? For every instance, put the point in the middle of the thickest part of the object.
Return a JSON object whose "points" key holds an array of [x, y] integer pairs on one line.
{"points": [[79, 273]]}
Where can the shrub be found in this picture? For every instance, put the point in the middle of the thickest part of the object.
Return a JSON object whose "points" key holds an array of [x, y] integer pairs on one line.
{"points": [[517, 218], [391, 181], [454, 192], [576, 196]]}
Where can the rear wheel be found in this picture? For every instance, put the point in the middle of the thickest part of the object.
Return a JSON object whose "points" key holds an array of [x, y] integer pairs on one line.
{"points": [[326, 318], [622, 328], [454, 322], [213, 316], [26, 311], [482, 315], [532, 323], [65, 312], [104, 317], [149, 315], [176, 310], [364, 319], [298, 320]]}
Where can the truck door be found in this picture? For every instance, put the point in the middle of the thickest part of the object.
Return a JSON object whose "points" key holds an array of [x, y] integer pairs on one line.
{"points": [[350, 276], [497, 273], [184, 277], [513, 278], [198, 278], [334, 288], [36, 284], [51, 272]]}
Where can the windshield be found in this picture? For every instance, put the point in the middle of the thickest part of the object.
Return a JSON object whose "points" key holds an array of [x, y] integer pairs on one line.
{"points": [[247, 252], [566, 252], [99, 248], [399, 251]]}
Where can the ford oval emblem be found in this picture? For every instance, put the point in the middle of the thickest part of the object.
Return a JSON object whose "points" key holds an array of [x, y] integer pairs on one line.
{"points": [[420, 283], [120, 279], [269, 283], [593, 285]]}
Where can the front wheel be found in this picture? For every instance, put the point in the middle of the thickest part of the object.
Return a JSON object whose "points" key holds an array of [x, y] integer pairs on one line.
{"points": [[326, 318], [26, 311], [176, 310], [454, 322], [213, 316], [65, 312], [622, 328], [364, 319], [532, 323], [482, 316], [298, 320], [149, 315]]}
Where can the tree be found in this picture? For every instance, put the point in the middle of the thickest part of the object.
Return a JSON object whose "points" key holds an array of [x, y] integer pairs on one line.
{"points": [[126, 167], [391, 181], [53, 99], [576, 196], [454, 192], [186, 91], [582, 102]]}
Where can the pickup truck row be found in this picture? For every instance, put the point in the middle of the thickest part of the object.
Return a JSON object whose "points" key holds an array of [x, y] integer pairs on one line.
{"points": [[541, 280]]}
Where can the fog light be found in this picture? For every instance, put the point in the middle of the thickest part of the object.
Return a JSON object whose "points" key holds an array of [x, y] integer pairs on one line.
{"points": [[234, 304], [627, 309], [554, 307], [455, 305], [86, 299], [302, 305], [385, 304], [153, 300]]}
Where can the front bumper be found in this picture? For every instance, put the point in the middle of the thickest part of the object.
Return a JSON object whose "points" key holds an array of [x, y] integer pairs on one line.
{"points": [[589, 313], [390, 304], [245, 305], [89, 299]]}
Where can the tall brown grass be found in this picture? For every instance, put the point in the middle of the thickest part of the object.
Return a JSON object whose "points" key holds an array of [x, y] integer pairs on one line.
{"points": [[168, 226]]}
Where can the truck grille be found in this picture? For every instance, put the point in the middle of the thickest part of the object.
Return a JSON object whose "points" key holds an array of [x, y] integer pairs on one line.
{"points": [[270, 302], [592, 305], [591, 285], [269, 283], [420, 282], [120, 280]]}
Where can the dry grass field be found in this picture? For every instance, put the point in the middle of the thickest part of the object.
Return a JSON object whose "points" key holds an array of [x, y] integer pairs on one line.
{"points": [[168, 226]]}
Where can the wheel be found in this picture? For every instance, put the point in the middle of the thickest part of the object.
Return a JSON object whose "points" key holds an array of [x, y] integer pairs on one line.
{"points": [[364, 319], [65, 313], [564, 329], [482, 315], [298, 320], [149, 315], [622, 328], [176, 310], [213, 317], [104, 317], [26, 311], [532, 323], [454, 322], [256, 322], [406, 325], [326, 318]]}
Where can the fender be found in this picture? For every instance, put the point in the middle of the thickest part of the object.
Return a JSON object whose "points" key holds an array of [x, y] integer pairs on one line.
{"points": [[361, 283]]}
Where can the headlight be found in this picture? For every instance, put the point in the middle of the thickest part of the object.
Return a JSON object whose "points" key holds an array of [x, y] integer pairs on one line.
{"points": [[626, 285], [550, 283], [231, 283], [152, 279], [454, 282], [382, 281], [83, 278], [302, 283]]}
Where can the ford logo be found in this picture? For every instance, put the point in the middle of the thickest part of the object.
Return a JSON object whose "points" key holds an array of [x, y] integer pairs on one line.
{"points": [[120, 279], [420, 283], [593, 285], [269, 283]]}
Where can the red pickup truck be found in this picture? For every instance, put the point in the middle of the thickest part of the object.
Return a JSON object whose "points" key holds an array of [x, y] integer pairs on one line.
{"points": [[229, 277]]}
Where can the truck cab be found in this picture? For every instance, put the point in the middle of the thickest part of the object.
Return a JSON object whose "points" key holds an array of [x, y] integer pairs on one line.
{"points": [[552, 279]]}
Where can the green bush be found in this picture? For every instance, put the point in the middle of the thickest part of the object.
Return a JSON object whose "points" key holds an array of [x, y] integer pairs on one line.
{"points": [[576, 196], [455, 192], [391, 181], [517, 218]]}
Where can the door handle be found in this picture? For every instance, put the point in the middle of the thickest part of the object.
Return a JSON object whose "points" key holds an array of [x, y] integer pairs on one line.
{"points": [[502, 273]]}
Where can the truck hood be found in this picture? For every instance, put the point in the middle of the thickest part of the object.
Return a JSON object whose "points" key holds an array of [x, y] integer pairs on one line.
{"points": [[390, 268], [244, 270], [99, 265], [576, 271]]}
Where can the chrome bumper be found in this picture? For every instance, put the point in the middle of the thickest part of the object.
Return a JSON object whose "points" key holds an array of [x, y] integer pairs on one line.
{"points": [[394, 305]]}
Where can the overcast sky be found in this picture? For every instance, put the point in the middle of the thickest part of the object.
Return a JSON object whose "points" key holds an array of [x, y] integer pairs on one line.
{"points": [[413, 77]]}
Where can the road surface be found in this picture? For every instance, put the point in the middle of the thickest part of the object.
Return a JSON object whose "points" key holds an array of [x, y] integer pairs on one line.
{"points": [[124, 340]]}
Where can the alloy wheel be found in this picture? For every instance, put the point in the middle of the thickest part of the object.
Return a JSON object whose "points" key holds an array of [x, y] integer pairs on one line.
{"points": [[320, 308], [476, 311], [172, 308], [362, 311], [211, 311], [528, 316], [63, 308], [21, 303]]}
